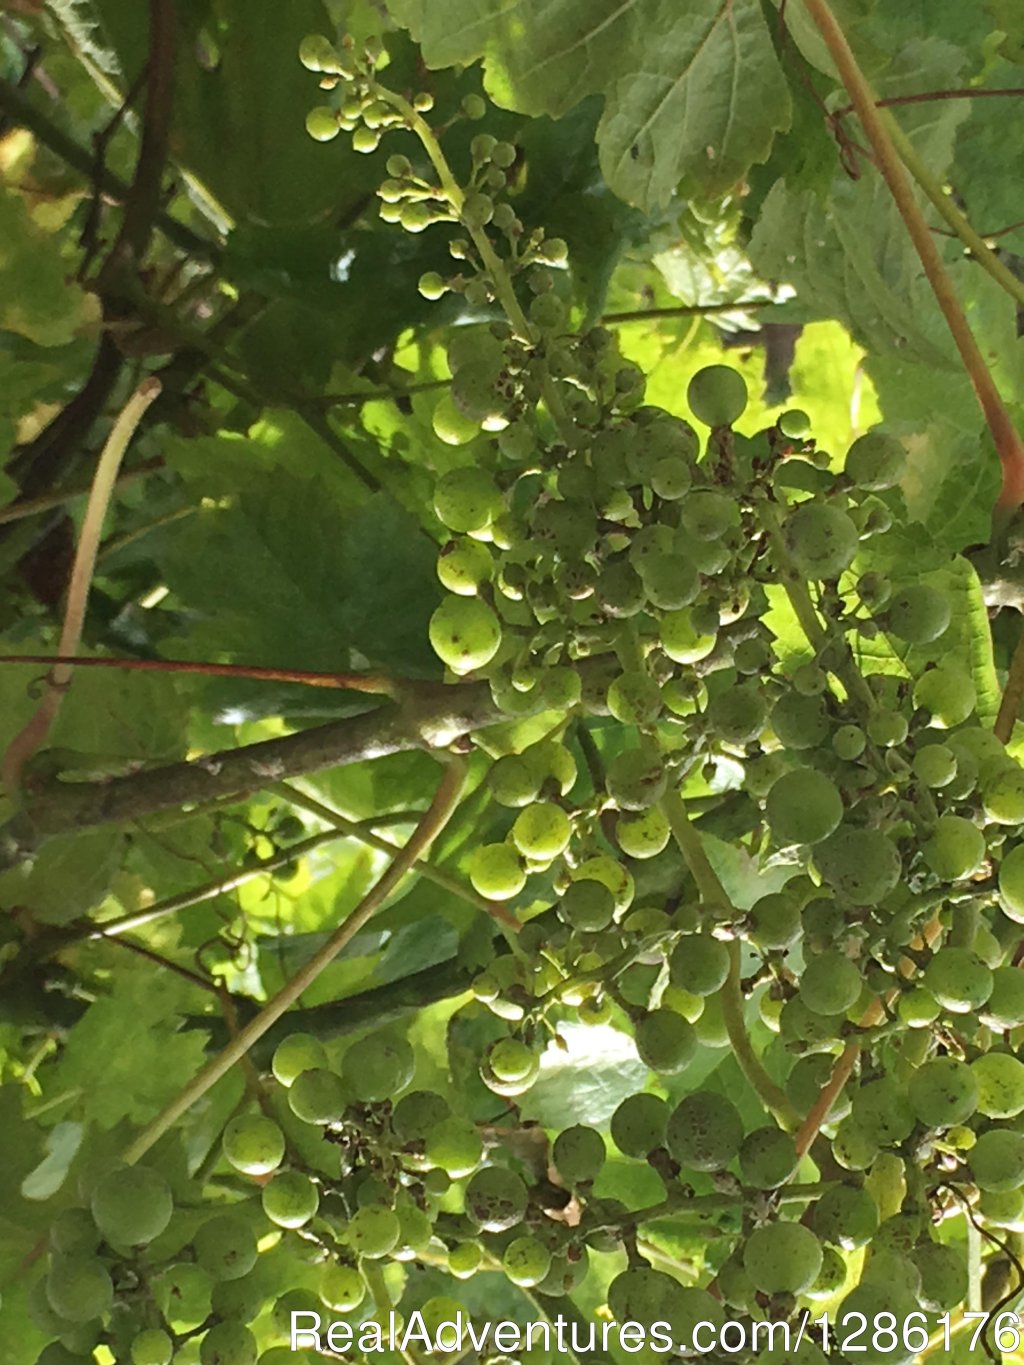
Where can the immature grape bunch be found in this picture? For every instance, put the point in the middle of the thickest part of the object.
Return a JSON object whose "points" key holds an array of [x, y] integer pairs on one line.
{"points": [[821, 539]]}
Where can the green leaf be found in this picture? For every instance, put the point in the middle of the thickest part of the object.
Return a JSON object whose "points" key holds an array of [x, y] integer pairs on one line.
{"points": [[37, 300]]}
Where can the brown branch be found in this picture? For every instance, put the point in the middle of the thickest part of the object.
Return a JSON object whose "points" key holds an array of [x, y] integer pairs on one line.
{"points": [[927, 96], [1013, 695], [686, 310]]}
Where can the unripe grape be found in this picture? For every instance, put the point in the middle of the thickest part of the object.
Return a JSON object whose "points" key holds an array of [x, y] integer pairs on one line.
{"points": [[1002, 795], [225, 1247], [699, 964], [496, 1199], [803, 807], [944, 1277], [526, 1261], [542, 831], [496, 872], [876, 461], [152, 1346], [74, 1231], [958, 979], [636, 778], [466, 499], [800, 722], [464, 1259], [450, 425], [79, 1288], [635, 699], [1000, 1084], [955, 848], [717, 395], [416, 1113], [475, 394], [861, 864], [290, 1199], [465, 633], [644, 835], [739, 714], [665, 1041], [322, 123], [821, 539], [853, 1147], [775, 921], [795, 423], [997, 1161], [297, 1053], [610, 873], [341, 1288], [681, 641], [849, 742], [515, 780], [464, 566], [1004, 1008], [1011, 884], [587, 906], [317, 1096], [943, 1092], [846, 1216], [374, 1231], [704, 1132], [378, 1068], [881, 1110], [918, 614], [782, 1258], [228, 1343], [768, 1158], [947, 693], [638, 1125], [455, 1145], [707, 514], [1004, 1209], [830, 984], [367, 140], [578, 1154], [935, 766], [316, 53], [132, 1205]]}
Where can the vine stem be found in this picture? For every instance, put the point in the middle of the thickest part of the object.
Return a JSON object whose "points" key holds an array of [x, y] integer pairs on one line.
{"points": [[441, 809], [875, 124], [29, 739], [712, 890], [1013, 695]]}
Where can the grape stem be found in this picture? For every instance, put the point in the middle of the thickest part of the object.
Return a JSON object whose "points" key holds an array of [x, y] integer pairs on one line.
{"points": [[875, 123], [446, 799], [1013, 695], [733, 1013]]}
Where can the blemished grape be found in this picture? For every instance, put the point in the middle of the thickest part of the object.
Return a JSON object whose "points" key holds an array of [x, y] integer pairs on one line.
{"points": [[881, 1110], [846, 1216], [636, 779], [228, 1343], [455, 1145], [943, 1091], [526, 1261], [767, 1158], [640, 1295], [497, 872], [739, 714], [579, 1154], [717, 395], [317, 1096], [704, 1131], [290, 1199], [861, 864], [935, 766], [496, 1199], [958, 979], [665, 1041], [635, 698], [775, 921], [378, 1068], [918, 614], [782, 1258], [1000, 1084], [152, 1346], [374, 1231], [464, 1259], [464, 566], [944, 1277], [132, 1205], [699, 964], [821, 539], [465, 633], [804, 807], [416, 1113], [587, 906], [225, 1247], [79, 1288], [1002, 794], [800, 722], [511, 1060], [806, 1081], [947, 693], [996, 1161], [853, 1147], [295, 1054], [873, 1299], [638, 1125], [706, 515], [1011, 884], [253, 1144], [341, 1288], [1004, 1009], [682, 641], [643, 835], [466, 499], [830, 984]]}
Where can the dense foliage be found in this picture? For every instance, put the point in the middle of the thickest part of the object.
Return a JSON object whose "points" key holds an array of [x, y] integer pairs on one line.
{"points": [[580, 876]]}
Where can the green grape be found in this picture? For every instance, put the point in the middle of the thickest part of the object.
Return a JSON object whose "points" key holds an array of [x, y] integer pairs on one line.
{"points": [[821, 539], [1003, 1210], [416, 1230], [849, 742], [496, 1199], [958, 979], [341, 1288], [587, 906], [935, 766], [830, 984], [450, 426], [800, 722], [578, 1154], [1011, 884], [465, 633], [830, 1278], [704, 1132], [710, 1026], [918, 1008], [738, 715], [948, 694], [862, 865], [1000, 1084], [853, 1147], [717, 395], [225, 1247], [542, 831], [699, 964], [455, 1145], [496, 872], [943, 1092], [182, 1293], [378, 1068], [805, 1082], [416, 1113], [775, 921], [316, 53], [526, 1261], [823, 921], [768, 1158], [706, 515], [644, 835], [882, 1111], [918, 614], [686, 1307], [295, 1054], [795, 423], [681, 640], [620, 590], [665, 1041], [374, 1231], [636, 779], [317, 1096], [79, 1287], [887, 728], [253, 1144], [244, 1297], [511, 1060], [640, 1295], [132, 1205], [515, 781], [611, 874], [799, 1024], [638, 1125], [876, 461], [846, 1216], [734, 1284], [74, 1231], [997, 1161], [1002, 795], [290, 1199], [803, 807], [1004, 1008], [152, 1346], [873, 1298], [464, 566], [228, 1343], [475, 394], [322, 123], [464, 1259], [782, 1258], [670, 581], [634, 698], [671, 478], [944, 1278]]}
